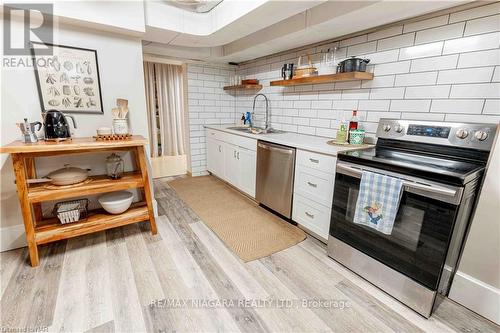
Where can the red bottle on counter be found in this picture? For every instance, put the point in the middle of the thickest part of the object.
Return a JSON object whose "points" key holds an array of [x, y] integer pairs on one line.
{"points": [[353, 123]]}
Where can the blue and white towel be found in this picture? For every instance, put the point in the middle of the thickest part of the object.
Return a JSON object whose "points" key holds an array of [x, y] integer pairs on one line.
{"points": [[378, 201]]}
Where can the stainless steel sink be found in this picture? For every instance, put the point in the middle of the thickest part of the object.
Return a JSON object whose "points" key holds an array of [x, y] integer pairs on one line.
{"points": [[257, 130]]}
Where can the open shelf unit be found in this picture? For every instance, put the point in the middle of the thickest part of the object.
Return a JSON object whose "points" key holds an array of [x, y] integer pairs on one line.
{"points": [[350, 76], [40, 230], [94, 185], [244, 87], [50, 230]]}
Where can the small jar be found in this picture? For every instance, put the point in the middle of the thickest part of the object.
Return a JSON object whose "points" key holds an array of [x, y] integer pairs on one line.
{"points": [[120, 126], [114, 166]]}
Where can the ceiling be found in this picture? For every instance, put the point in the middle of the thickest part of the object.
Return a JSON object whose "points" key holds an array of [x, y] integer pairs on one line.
{"points": [[236, 31]]}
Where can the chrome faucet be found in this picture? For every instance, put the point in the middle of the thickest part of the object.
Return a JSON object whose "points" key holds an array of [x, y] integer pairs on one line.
{"points": [[267, 128]]}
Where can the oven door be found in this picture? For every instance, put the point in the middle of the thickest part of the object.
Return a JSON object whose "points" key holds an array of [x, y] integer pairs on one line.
{"points": [[422, 229]]}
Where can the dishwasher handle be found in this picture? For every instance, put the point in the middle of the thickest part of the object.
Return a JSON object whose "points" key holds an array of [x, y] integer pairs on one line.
{"points": [[288, 151]]}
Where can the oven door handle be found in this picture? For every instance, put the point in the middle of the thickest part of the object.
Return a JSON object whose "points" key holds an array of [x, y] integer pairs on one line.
{"points": [[411, 186]]}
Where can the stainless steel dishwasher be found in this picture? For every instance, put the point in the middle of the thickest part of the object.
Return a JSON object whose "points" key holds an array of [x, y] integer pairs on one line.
{"points": [[275, 173]]}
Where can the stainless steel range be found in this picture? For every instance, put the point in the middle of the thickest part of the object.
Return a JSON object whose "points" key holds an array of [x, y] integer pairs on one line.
{"points": [[441, 165]]}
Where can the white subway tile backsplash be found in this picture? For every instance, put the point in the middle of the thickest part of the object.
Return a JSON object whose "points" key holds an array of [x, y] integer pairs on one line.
{"points": [[411, 105], [467, 75], [379, 82], [496, 75], [355, 94], [345, 104], [416, 79], [384, 33], [425, 24], [440, 33], [382, 57], [353, 40], [421, 51], [471, 106], [481, 58], [392, 68], [478, 90], [428, 92], [434, 63], [443, 76], [387, 93], [482, 25], [321, 104], [360, 49], [475, 12], [466, 118], [396, 42], [473, 43], [374, 105], [422, 116], [492, 106]]}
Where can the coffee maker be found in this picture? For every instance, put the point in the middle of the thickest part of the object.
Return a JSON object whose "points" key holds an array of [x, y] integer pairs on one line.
{"points": [[29, 130], [56, 125]]}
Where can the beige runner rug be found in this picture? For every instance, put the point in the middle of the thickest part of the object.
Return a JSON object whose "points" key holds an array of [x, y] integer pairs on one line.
{"points": [[247, 229]]}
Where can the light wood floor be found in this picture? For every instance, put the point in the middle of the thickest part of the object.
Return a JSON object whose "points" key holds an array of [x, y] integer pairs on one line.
{"points": [[127, 280]]}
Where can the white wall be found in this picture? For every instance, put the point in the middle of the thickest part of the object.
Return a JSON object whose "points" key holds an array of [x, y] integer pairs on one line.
{"points": [[442, 68], [208, 103], [121, 75], [477, 282]]}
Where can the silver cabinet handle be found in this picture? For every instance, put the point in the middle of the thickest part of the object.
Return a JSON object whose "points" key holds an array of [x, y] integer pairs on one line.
{"points": [[309, 215], [313, 160], [238, 155], [220, 151], [312, 184]]}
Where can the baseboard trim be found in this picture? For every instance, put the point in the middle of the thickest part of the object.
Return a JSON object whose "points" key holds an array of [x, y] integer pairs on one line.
{"points": [[12, 237], [476, 295]]}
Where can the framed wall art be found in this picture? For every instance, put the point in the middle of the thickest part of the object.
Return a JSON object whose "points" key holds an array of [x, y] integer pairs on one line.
{"points": [[68, 80]]}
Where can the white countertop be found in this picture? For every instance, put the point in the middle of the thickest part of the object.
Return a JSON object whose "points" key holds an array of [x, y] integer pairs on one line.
{"points": [[301, 141]]}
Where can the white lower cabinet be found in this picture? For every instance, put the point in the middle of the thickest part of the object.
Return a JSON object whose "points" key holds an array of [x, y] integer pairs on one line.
{"points": [[313, 191], [312, 215], [234, 159], [248, 171], [215, 157]]}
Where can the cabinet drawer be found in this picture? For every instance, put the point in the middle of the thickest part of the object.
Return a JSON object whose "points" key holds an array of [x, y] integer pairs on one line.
{"points": [[311, 215], [314, 184], [241, 141], [316, 161], [215, 135]]}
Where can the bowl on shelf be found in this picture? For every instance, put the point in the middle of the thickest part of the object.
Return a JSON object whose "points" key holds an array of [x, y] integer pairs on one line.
{"points": [[116, 202]]}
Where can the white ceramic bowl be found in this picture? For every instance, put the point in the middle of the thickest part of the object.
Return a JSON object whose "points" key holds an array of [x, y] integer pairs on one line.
{"points": [[116, 202], [104, 131]]}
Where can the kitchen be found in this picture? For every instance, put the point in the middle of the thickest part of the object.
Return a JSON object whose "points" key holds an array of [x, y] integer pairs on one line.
{"points": [[266, 209]]}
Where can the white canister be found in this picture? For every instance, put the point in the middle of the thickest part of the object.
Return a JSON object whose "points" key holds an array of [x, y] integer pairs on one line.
{"points": [[120, 126]]}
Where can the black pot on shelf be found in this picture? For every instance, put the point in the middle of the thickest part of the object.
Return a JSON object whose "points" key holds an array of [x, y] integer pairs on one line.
{"points": [[353, 64]]}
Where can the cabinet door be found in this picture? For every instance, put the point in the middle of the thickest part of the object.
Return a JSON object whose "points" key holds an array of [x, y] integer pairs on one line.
{"points": [[215, 157], [231, 165], [248, 168]]}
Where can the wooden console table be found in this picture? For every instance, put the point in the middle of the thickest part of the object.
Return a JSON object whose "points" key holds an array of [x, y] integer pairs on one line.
{"points": [[40, 230]]}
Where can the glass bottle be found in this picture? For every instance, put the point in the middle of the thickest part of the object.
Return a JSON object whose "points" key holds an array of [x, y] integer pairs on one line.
{"points": [[353, 123], [114, 166]]}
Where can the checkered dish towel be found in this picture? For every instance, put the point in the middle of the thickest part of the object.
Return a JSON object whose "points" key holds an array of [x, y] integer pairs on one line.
{"points": [[378, 201]]}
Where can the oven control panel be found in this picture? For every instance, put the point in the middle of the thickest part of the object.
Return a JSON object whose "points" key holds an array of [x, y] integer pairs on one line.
{"points": [[476, 136]]}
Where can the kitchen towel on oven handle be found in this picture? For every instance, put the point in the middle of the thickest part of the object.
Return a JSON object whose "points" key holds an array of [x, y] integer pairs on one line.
{"points": [[378, 201]]}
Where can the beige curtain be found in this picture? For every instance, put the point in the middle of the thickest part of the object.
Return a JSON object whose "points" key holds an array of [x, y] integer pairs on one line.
{"points": [[169, 104], [149, 81]]}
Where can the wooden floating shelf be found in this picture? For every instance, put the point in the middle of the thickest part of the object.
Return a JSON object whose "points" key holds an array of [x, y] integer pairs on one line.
{"points": [[51, 230], [97, 184], [244, 87], [350, 76]]}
